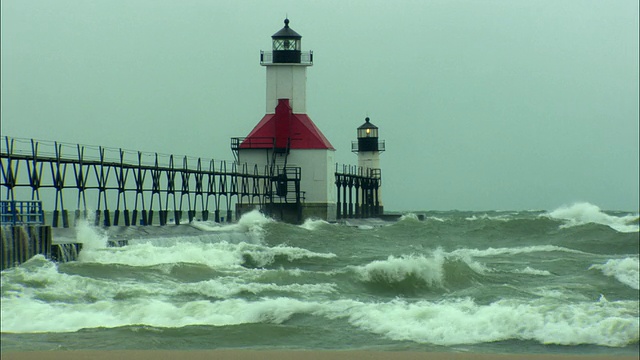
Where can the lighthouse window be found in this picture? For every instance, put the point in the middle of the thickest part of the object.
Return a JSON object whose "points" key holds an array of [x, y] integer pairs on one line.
{"points": [[367, 132], [286, 44]]}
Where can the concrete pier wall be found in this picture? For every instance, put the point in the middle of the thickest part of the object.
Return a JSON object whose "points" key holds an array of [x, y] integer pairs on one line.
{"points": [[19, 243]]}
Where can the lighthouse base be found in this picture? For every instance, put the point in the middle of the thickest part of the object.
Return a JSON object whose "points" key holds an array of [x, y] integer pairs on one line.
{"points": [[292, 213]]}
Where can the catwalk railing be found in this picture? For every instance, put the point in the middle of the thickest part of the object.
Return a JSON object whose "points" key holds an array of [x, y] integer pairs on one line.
{"points": [[139, 183], [358, 192], [21, 213]]}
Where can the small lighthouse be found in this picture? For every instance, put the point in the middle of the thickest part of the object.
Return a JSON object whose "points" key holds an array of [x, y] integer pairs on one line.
{"points": [[368, 147], [286, 143]]}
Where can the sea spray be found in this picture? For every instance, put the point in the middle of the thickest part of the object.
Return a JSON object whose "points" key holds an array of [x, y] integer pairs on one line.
{"points": [[251, 224], [585, 213], [91, 237], [313, 224]]}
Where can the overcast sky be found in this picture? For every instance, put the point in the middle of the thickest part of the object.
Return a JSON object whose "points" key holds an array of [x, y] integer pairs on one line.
{"points": [[509, 105]]}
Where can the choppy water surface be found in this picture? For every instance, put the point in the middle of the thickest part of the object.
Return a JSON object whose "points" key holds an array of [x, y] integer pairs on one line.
{"points": [[564, 281]]}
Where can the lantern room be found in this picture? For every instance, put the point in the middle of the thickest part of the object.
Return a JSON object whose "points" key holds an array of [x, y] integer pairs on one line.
{"points": [[286, 45], [367, 138]]}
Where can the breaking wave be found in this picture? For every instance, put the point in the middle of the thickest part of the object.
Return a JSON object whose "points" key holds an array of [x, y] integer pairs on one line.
{"points": [[445, 322], [626, 270], [585, 213], [409, 273]]}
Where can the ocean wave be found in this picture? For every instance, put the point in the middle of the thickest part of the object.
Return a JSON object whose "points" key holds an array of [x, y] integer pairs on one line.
{"points": [[64, 317], [250, 228], [39, 280], [530, 271], [506, 217], [446, 322], [409, 217], [408, 273], [443, 270], [313, 224], [513, 250], [214, 255], [252, 223], [626, 270], [462, 321], [585, 213], [409, 270], [259, 256]]}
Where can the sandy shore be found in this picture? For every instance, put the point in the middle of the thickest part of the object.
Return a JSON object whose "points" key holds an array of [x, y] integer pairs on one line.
{"points": [[282, 355]]}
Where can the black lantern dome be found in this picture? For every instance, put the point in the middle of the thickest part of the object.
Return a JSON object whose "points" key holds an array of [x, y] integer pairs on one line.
{"points": [[367, 136], [286, 45]]}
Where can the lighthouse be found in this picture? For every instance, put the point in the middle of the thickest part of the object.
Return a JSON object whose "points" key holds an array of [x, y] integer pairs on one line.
{"points": [[286, 143], [368, 147]]}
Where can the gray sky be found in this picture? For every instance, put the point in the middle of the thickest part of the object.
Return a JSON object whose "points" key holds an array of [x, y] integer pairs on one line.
{"points": [[508, 105]]}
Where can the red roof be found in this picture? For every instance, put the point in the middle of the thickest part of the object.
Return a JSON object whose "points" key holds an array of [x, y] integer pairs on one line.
{"points": [[285, 125]]}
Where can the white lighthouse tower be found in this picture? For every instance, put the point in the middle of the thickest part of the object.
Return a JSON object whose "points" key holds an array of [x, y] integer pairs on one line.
{"points": [[368, 147], [286, 142]]}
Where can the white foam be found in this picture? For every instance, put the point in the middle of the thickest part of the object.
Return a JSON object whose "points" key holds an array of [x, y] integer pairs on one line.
{"points": [[313, 224], [513, 251], [208, 225], [215, 255], [147, 254], [585, 213], [465, 322], [91, 237], [488, 217], [626, 270], [64, 317], [531, 271], [446, 322], [396, 269], [409, 216], [74, 288], [429, 269], [251, 223], [266, 255], [559, 292]]}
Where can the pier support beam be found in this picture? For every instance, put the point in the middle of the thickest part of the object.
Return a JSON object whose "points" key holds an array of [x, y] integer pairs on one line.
{"points": [[143, 218], [107, 218]]}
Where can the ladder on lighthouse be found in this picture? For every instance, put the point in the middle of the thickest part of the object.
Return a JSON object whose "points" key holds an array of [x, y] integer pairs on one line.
{"points": [[278, 171], [285, 179]]}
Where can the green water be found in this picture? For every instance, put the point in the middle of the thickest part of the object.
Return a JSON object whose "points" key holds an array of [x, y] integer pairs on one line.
{"points": [[511, 282]]}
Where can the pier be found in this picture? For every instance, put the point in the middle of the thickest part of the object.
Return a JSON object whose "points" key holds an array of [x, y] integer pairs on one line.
{"points": [[117, 187], [357, 192], [126, 187]]}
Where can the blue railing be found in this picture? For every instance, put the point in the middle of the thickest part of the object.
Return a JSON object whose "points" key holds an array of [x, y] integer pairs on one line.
{"points": [[21, 212]]}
